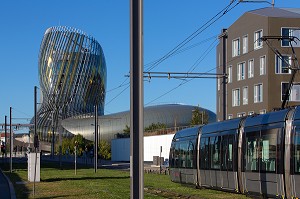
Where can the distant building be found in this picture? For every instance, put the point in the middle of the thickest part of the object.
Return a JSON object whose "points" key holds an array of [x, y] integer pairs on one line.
{"points": [[173, 116], [72, 74], [257, 78]]}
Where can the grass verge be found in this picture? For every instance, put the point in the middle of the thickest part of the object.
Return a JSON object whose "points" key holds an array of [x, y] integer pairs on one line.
{"points": [[63, 183]]}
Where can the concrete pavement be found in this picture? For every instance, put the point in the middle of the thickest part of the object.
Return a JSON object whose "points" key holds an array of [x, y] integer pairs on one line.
{"points": [[6, 188]]}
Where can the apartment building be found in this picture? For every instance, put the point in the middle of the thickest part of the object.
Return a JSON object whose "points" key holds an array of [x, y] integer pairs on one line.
{"points": [[256, 77]]}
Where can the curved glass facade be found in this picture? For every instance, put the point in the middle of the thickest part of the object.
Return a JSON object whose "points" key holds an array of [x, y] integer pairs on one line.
{"points": [[172, 115], [72, 75]]}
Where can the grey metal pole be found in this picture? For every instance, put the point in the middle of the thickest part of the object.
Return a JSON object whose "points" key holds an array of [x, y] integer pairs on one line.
{"points": [[96, 140], [35, 110], [5, 134], [35, 136], [75, 159], [224, 38], [136, 100], [10, 140], [160, 159], [52, 141]]}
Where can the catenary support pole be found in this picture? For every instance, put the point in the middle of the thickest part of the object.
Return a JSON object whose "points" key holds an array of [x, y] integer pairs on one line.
{"points": [[5, 134], [136, 101], [11, 139], [224, 39]]}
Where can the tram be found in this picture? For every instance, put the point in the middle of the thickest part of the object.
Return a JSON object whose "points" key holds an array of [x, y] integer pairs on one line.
{"points": [[257, 155]]}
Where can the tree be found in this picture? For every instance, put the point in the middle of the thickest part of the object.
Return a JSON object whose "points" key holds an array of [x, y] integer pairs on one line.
{"points": [[156, 126], [105, 150], [199, 117], [66, 145], [125, 134]]}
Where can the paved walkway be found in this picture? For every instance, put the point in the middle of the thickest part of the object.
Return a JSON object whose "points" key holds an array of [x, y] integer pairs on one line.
{"points": [[6, 189]]}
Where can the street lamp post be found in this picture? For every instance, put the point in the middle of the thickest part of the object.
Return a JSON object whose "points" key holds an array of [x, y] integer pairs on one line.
{"points": [[96, 140]]}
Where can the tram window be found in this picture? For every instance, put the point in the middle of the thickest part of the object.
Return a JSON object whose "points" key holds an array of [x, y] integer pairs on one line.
{"points": [[190, 155], [183, 154], [225, 151], [230, 153], [297, 151], [172, 153], [268, 150], [177, 155], [215, 152], [227, 147], [252, 153], [204, 153]]}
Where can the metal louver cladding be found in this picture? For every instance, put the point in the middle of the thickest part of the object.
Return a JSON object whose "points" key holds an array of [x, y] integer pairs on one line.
{"points": [[72, 75]]}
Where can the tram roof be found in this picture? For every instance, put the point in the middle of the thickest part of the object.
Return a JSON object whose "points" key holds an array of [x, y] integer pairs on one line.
{"points": [[221, 126], [297, 113], [188, 132], [268, 118]]}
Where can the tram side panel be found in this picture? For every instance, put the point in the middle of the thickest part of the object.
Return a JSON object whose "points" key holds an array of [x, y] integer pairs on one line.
{"points": [[183, 160], [293, 172], [218, 160], [262, 155]]}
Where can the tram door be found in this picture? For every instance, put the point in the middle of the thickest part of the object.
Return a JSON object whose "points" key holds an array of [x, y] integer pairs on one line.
{"points": [[215, 161], [261, 175], [229, 179], [204, 162]]}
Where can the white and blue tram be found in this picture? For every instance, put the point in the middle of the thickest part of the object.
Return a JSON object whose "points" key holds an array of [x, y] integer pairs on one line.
{"points": [[254, 155]]}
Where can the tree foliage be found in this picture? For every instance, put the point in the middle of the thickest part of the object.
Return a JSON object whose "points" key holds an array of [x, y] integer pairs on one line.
{"points": [[125, 134], [68, 144], [156, 126], [105, 150], [199, 117]]}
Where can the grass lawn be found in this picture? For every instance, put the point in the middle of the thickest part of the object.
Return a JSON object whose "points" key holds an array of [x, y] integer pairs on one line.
{"points": [[57, 183]]}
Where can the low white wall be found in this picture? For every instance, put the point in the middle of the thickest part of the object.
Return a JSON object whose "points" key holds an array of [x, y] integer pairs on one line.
{"points": [[120, 148]]}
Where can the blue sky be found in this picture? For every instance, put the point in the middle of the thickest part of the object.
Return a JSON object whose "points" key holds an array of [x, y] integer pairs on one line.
{"points": [[166, 24]]}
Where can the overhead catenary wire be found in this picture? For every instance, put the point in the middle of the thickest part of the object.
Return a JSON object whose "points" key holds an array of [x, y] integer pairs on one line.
{"points": [[179, 48], [184, 81], [194, 34], [125, 83]]}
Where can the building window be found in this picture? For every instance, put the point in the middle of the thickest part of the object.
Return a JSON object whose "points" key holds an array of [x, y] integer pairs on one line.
{"points": [[251, 113], [257, 39], [229, 74], [283, 64], [263, 111], [250, 68], [230, 116], [241, 114], [245, 95], [258, 93], [235, 47], [262, 65], [294, 92], [236, 97], [245, 44], [290, 32], [241, 71]]}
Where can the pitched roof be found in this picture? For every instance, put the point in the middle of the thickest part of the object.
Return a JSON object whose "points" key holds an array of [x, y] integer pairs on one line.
{"points": [[277, 12]]}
